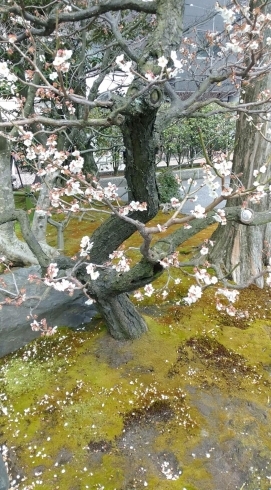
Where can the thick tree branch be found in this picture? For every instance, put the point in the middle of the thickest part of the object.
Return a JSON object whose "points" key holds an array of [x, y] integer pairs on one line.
{"points": [[63, 123], [22, 217], [47, 26]]}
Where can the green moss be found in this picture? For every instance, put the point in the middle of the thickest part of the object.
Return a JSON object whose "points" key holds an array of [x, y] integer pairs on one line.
{"points": [[194, 392], [108, 405]]}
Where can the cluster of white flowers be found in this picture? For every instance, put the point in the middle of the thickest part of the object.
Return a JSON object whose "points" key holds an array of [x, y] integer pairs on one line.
{"points": [[7, 78], [204, 277], [72, 188], [27, 138], [260, 188], [259, 194], [98, 193], [55, 195], [58, 284], [248, 35], [231, 295], [268, 270], [121, 263], [148, 291], [220, 217], [52, 271], [60, 61], [126, 67], [177, 63], [194, 293], [171, 260], [209, 180], [47, 159], [91, 270], [234, 47], [76, 165], [42, 327], [198, 212], [133, 206], [62, 285], [111, 192], [85, 246], [222, 165], [226, 191], [228, 14]]}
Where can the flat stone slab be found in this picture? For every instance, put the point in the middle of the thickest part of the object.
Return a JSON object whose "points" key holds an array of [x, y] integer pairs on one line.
{"points": [[58, 308], [4, 480]]}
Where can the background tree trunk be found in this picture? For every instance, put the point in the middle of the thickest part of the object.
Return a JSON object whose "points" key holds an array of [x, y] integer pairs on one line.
{"points": [[11, 247], [239, 248]]}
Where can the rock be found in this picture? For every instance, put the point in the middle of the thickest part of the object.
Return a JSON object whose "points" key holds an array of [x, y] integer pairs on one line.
{"points": [[4, 481], [58, 308]]}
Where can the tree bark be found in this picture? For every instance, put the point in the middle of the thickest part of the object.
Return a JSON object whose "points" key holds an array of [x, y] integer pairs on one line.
{"points": [[140, 173], [123, 320], [243, 251]]}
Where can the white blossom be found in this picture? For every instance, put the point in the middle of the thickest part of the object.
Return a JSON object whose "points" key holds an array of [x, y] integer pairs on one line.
{"points": [[224, 167], [174, 202], [199, 211], [221, 216], [203, 276], [254, 45], [90, 268], [234, 47], [230, 294], [194, 293], [86, 246], [76, 165], [61, 57], [125, 66], [177, 63], [226, 191], [227, 14], [63, 285], [110, 192], [149, 290], [138, 295], [162, 61], [53, 76], [72, 188], [75, 207]]}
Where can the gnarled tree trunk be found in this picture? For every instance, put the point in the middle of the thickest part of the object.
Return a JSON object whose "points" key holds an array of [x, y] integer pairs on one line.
{"points": [[139, 140], [120, 314], [122, 318]]}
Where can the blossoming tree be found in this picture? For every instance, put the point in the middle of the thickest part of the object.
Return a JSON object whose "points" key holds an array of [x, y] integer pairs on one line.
{"points": [[49, 54]]}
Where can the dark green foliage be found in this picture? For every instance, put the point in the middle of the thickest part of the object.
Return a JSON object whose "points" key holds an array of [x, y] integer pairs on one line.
{"points": [[167, 185]]}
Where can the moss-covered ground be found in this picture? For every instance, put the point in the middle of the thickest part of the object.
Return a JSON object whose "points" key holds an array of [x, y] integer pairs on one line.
{"points": [[185, 407]]}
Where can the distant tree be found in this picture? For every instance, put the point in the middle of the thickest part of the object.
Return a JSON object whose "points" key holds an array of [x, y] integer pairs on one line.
{"points": [[181, 140]]}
